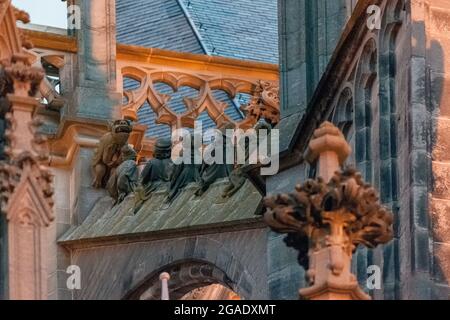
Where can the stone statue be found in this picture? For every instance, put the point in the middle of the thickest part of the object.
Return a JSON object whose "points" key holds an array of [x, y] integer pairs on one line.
{"points": [[157, 172], [183, 174], [240, 171], [108, 154], [124, 179], [209, 173], [159, 169]]}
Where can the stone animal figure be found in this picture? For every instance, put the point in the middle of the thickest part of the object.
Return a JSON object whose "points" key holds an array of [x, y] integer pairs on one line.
{"points": [[107, 156], [124, 179]]}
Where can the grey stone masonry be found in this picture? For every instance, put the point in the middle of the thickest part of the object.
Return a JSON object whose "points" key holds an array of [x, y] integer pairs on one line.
{"points": [[114, 272], [309, 32], [94, 95]]}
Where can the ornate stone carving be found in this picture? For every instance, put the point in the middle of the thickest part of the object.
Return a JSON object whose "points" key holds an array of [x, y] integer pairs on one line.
{"points": [[328, 218], [27, 173], [345, 199], [124, 179], [108, 153], [23, 17], [26, 79], [183, 174], [5, 105], [159, 169], [209, 173], [239, 174], [157, 172], [25, 184], [265, 103], [4, 5], [265, 97]]}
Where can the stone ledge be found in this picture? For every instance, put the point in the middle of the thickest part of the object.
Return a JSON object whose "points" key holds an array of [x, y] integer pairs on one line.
{"points": [[186, 215]]}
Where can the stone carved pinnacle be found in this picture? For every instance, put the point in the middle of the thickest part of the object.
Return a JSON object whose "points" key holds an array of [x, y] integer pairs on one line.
{"points": [[327, 218], [330, 148]]}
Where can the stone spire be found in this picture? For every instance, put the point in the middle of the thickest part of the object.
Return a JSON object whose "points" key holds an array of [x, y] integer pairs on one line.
{"points": [[26, 184], [328, 217]]}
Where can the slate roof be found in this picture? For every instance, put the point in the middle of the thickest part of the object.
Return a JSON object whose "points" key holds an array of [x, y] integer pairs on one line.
{"points": [[155, 23], [235, 28], [147, 117], [241, 29], [186, 212]]}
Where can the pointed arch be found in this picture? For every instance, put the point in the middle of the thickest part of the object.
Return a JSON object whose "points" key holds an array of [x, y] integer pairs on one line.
{"points": [[365, 99], [343, 113]]}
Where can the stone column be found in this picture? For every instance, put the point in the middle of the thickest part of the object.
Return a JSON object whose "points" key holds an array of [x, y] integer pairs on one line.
{"points": [[309, 31], [95, 95], [26, 187], [25, 190], [94, 99], [327, 218], [164, 277]]}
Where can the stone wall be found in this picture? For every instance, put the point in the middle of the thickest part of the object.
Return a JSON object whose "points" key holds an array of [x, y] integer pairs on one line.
{"points": [[113, 272], [285, 276], [432, 21], [397, 82], [309, 31]]}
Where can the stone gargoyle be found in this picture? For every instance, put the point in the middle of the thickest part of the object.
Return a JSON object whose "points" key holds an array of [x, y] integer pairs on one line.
{"points": [[124, 179], [107, 156]]}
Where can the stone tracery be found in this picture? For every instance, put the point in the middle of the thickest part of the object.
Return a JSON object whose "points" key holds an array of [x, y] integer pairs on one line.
{"points": [[264, 104]]}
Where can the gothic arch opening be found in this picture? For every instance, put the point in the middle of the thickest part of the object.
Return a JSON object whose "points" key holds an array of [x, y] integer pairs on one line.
{"points": [[189, 280], [342, 115], [365, 102]]}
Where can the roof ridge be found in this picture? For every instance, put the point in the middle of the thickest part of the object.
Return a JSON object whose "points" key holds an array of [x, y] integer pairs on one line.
{"points": [[185, 10], [193, 26]]}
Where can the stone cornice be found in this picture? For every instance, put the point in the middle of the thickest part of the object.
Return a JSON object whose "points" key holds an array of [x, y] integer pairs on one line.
{"points": [[232, 226], [198, 62], [52, 41], [45, 40]]}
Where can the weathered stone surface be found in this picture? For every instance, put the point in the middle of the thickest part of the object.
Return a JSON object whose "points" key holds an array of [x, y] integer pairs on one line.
{"points": [[113, 272], [186, 211], [441, 172], [442, 263], [440, 216]]}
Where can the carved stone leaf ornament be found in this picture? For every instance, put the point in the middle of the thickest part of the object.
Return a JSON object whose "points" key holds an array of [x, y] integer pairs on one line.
{"points": [[316, 204], [327, 218]]}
